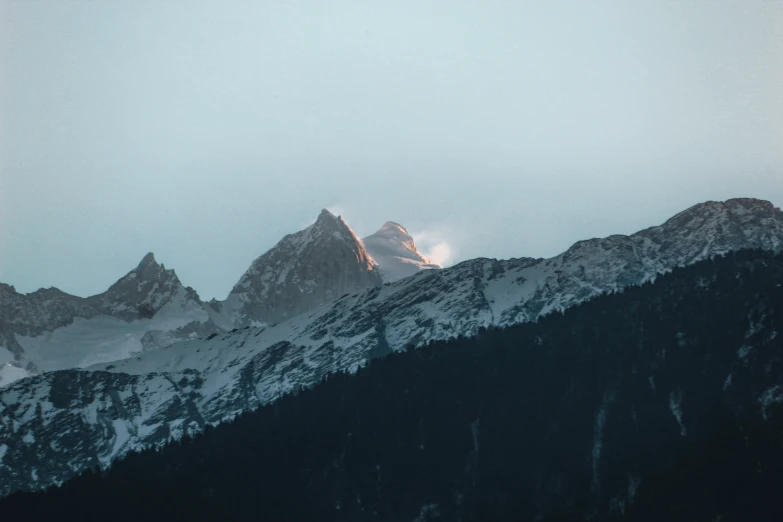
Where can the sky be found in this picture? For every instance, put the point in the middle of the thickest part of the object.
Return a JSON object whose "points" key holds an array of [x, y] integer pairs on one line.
{"points": [[205, 131]]}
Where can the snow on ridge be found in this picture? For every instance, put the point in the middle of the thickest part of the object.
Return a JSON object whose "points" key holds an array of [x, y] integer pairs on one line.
{"points": [[394, 250], [49, 329], [10, 373], [102, 338], [437, 304], [219, 376]]}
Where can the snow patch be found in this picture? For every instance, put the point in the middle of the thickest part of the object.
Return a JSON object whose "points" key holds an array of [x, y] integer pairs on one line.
{"points": [[633, 486], [428, 512], [474, 429], [681, 342], [11, 373], [90, 413], [675, 405], [104, 338], [770, 396], [754, 326], [5, 355], [121, 436]]}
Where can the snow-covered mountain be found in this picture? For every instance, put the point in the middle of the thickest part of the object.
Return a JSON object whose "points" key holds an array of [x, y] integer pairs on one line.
{"points": [[149, 307], [303, 271], [51, 330], [593, 415], [58, 423], [395, 252]]}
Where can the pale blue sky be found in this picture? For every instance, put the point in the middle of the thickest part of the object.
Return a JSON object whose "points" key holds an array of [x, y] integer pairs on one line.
{"points": [[204, 131]]}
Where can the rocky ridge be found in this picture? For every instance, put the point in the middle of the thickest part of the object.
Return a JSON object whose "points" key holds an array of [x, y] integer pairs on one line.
{"points": [[50, 430], [149, 307], [31, 324]]}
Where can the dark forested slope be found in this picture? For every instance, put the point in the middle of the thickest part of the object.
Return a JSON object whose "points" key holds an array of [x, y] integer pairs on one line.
{"points": [[664, 402]]}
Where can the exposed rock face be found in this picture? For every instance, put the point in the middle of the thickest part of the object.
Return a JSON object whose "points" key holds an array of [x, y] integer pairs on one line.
{"points": [[395, 252], [39, 311], [142, 292], [302, 272], [219, 376]]}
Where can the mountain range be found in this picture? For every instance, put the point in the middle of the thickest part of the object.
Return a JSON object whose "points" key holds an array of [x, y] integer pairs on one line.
{"points": [[51, 330], [148, 361], [149, 307], [663, 402]]}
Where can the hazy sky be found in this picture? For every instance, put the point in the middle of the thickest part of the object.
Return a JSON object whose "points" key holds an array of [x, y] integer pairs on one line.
{"points": [[205, 131]]}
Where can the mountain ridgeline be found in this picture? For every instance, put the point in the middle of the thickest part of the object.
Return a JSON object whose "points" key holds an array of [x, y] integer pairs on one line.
{"points": [[662, 402], [111, 386], [304, 271], [50, 329]]}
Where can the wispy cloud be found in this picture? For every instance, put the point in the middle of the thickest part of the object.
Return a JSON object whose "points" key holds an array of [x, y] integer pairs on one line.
{"points": [[433, 245]]}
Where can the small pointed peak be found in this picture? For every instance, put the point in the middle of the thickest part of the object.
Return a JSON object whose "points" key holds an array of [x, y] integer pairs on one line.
{"points": [[327, 219], [392, 229], [326, 214], [391, 225], [149, 260]]}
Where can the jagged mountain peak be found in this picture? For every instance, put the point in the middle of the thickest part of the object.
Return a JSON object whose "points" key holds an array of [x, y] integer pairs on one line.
{"points": [[392, 231], [393, 248], [144, 310], [393, 239], [227, 374], [143, 291], [331, 221], [391, 227], [327, 227], [303, 271], [327, 216], [148, 261], [148, 269]]}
